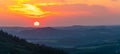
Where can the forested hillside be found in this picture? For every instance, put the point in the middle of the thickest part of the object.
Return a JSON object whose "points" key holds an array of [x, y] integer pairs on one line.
{"points": [[10, 44]]}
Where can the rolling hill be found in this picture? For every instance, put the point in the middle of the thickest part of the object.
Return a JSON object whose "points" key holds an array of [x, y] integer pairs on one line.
{"points": [[10, 44]]}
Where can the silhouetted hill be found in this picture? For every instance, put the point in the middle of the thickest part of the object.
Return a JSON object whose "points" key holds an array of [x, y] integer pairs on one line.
{"points": [[74, 39], [68, 36], [10, 44], [74, 27], [48, 32], [76, 35]]}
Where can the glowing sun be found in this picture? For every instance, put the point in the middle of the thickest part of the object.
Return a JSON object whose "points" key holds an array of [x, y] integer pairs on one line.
{"points": [[36, 24]]}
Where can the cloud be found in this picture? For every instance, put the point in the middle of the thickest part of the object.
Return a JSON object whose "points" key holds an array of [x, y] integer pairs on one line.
{"points": [[77, 9], [65, 14], [47, 1], [114, 0], [99, 15], [107, 19]]}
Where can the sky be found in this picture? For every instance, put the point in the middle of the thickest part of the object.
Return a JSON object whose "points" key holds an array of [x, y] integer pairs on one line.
{"points": [[52, 13]]}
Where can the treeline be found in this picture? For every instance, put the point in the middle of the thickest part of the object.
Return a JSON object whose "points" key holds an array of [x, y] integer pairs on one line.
{"points": [[10, 44]]}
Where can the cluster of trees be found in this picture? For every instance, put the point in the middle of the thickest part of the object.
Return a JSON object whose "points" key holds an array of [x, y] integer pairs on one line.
{"points": [[10, 44]]}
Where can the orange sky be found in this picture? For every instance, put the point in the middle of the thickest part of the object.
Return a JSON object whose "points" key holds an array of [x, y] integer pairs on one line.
{"points": [[58, 12]]}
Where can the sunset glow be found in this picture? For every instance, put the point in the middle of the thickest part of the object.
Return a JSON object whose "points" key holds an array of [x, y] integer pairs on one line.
{"points": [[57, 12], [27, 10], [36, 24]]}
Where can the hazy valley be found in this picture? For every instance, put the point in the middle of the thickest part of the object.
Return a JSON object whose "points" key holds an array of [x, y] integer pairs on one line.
{"points": [[77, 39]]}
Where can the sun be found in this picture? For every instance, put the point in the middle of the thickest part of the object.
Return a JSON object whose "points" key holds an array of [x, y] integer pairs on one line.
{"points": [[36, 24]]}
